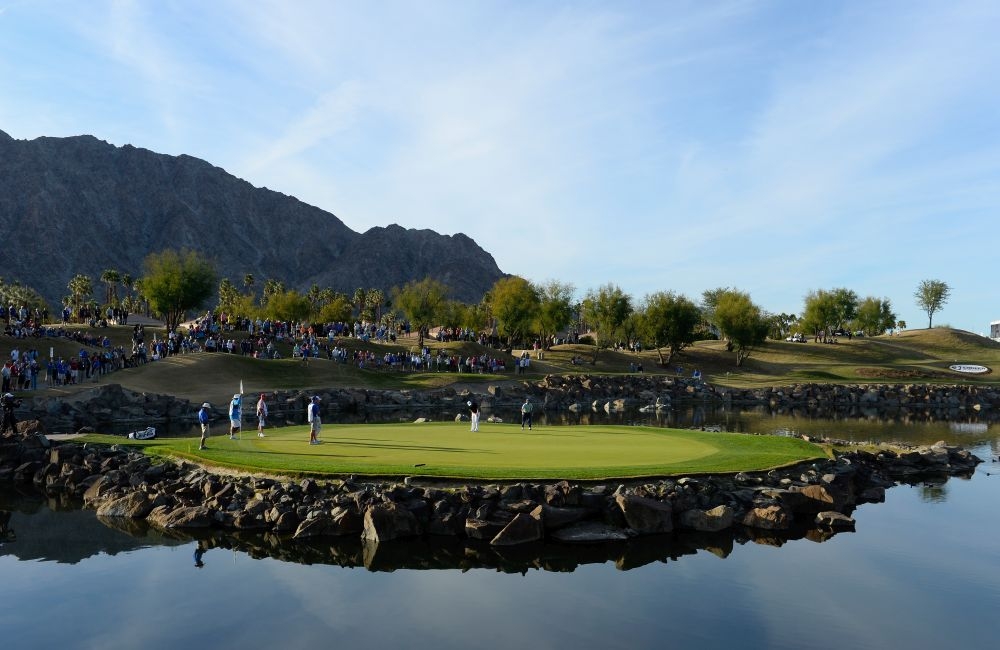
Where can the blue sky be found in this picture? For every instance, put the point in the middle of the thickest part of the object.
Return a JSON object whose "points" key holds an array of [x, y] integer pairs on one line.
{"points": [[776, 147]]}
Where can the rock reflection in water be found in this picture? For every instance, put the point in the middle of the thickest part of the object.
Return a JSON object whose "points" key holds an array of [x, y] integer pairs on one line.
{"points": [[449, 553]]}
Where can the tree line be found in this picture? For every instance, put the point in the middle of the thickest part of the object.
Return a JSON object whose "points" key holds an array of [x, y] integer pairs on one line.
{"points": [[514, 312]]}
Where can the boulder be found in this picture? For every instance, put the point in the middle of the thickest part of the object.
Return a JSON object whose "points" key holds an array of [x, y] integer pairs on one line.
{"points": [[553, 518], [524, 528], [646, 516], [134, 505], [815, 498], [716, 519], [184, 517], [774, 517], [482, 529], [387, 521]]}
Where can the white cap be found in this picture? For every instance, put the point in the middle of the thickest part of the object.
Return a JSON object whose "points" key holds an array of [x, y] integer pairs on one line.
{"points": [[206, 405], [237, 396]]}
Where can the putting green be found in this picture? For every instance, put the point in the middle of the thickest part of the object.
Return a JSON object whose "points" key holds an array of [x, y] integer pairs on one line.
{"points": [[496, 451]]}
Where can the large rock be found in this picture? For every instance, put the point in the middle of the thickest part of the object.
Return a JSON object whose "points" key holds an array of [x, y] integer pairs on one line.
{"points": [[815, 498], [182, 517], [522, 529], [554, 518], [709, 521], [387, 521], [773, 517], [646, 516], [134, 505]]}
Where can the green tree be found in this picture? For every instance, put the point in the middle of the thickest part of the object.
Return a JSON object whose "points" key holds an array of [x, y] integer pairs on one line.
{"points": [[421, 303], [514, 304], [17, 294], [271, 287], [826, 311], [248, 281], [669, 321], [931, 296], [81, 288], [111, 278], [176, 282], [846, 305], [709, 300], [289, 306], [374, 301], [360, 297], [234, 303], [127, 282], [742, 323], [605, 310], [875, 316], [781, 325], [555, 309], [336, 309]]}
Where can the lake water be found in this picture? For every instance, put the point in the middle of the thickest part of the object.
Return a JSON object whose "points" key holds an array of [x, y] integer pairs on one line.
{"points": [[922, 570]]}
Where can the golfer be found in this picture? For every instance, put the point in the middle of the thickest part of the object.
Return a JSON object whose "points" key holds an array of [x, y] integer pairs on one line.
{"points": [[261, 415], [526, 410], [474, 414], [203, 421], [312, 414], [235, 415]]}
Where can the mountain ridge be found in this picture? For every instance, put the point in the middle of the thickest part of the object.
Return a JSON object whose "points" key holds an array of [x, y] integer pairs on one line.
{"points": [[81, 205]]}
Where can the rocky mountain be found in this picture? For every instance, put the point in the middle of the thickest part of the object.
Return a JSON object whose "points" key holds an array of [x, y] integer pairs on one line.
{"points": [[81, 205]]}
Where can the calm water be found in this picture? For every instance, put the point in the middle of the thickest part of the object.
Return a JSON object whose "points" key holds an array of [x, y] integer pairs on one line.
{"points": [[922, 571]]}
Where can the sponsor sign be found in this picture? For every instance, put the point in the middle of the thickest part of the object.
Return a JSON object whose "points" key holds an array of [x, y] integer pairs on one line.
{"points": [[968, 368]]}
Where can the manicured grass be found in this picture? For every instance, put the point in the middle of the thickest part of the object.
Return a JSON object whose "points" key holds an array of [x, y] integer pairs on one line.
{"points": [[497, 451]]}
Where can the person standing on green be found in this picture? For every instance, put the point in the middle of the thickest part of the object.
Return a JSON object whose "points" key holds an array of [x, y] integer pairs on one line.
{"points": [[526, 410], [203, 418]]}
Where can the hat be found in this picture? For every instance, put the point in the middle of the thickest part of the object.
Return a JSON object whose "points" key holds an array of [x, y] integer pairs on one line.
{"points": [[469, 402], [237, 396], [315, 398], [206, 405]]}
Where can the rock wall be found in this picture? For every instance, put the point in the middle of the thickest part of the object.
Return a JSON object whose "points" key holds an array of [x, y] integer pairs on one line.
{"points": [[126, 485], [111, 404]]}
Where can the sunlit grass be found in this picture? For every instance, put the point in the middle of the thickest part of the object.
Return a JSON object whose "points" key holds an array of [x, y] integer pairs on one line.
{"points": [[497, 451]]}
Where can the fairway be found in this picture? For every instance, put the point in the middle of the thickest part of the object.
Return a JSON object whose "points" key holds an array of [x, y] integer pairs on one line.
{"points": [[496, 451]]}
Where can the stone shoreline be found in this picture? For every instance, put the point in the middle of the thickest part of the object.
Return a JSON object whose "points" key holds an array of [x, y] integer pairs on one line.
{"points": [[111, 404], [123, 484]]}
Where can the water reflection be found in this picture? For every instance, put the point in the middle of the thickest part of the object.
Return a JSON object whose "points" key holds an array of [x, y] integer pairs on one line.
{"points": [[50, 529], [50, 532]]}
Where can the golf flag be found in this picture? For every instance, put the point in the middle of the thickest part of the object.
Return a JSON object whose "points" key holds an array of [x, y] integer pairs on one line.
{"points": [[241, 387]]}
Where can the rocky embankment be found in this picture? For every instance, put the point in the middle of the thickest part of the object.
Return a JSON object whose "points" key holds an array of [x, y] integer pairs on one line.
{"points": [[127, 485], [111, 404]]}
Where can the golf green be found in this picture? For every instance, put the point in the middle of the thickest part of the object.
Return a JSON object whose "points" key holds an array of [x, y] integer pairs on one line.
{"points": [[496, 451]]}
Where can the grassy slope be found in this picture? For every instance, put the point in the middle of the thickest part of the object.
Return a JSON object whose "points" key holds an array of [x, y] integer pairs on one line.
{"points": [[497, 451], [914, 356]]}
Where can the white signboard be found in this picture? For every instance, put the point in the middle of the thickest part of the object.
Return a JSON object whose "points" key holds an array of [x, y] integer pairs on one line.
{"points": [[969, 368]]}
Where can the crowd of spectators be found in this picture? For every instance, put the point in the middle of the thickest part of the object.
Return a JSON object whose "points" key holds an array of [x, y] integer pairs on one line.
{"points": [[217, 333]]}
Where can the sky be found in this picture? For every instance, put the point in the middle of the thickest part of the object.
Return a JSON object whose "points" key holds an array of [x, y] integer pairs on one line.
{"points": [[777, 147]]}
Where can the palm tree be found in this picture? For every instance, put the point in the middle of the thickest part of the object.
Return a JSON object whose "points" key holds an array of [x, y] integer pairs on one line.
{"points": [[271, 287], [248, 282], [375, 298], [111, 278], [359, 300], [80, 289]]}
